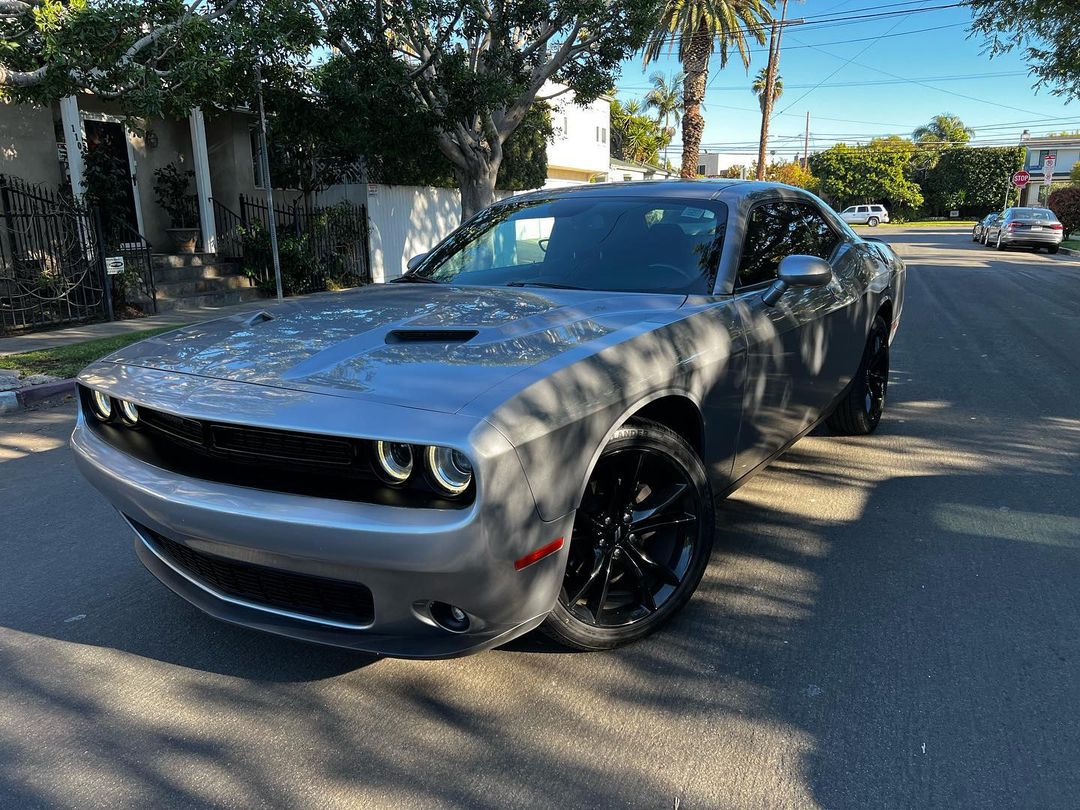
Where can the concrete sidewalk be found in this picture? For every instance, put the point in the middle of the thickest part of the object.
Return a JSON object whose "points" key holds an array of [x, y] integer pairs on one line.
{"points": [[33, 341]]}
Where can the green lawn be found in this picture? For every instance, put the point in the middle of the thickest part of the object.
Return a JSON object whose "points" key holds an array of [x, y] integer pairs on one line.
{"points": [[67, 361], [1071, 243]]}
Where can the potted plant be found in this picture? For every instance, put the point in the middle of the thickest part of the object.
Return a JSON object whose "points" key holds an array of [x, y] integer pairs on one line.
{"points": [[171, 185]]}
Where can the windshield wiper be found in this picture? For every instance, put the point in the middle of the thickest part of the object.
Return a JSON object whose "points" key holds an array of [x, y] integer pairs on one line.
{"points": [[549, 284], [412, 278]]}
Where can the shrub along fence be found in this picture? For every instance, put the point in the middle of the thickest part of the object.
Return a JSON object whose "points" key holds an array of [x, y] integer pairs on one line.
{"points": [[320, 247]]}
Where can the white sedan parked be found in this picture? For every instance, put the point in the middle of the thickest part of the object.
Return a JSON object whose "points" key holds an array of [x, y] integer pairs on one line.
{"points": [[865, 215]]}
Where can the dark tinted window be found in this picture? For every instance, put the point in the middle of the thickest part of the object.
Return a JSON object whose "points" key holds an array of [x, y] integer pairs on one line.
{"points": [[778, 229], [1044, 214], [589, 241]]}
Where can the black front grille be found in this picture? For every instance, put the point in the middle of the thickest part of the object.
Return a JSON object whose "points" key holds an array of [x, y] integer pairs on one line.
{"points": [[279, 444], [318, 597], [178, 427]]}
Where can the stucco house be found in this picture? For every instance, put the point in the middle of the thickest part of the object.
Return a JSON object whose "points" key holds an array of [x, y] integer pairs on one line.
{"points": [[1066, 151], [43, 145]]}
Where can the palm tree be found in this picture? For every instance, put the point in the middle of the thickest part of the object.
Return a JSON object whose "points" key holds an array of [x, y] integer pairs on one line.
{"points": [[758, 87], [665, 97], [695, 28], [946, 129]]}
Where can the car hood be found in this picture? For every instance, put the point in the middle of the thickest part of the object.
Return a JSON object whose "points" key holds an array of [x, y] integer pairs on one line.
{"points": [[434, 347]]}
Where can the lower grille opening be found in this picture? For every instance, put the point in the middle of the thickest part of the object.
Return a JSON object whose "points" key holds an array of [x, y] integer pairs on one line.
{"points": [[317, 597]]}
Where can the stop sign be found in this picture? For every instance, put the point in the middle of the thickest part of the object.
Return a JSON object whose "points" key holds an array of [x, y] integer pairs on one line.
{"points": [[1021, 178]]}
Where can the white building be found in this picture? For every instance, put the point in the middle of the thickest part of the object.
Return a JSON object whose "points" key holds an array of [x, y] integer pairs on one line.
{"points": [[1066, 153], [710, 164], [625, 171], [580, 150]]}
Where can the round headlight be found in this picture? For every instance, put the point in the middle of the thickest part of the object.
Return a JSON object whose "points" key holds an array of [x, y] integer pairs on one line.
{"points": [[129, 411], [450, 469], [102, 405], [395, 460]]}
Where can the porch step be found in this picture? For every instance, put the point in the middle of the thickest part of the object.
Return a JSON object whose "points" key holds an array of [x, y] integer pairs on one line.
{"points": [[168, 269], [198, 281], [227, 298]]}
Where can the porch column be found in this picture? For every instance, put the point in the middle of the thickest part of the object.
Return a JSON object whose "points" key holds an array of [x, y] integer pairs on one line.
{"points": [[203, 191], [72, 124]]}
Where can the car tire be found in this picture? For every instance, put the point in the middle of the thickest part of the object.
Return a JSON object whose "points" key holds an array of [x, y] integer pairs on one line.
{"points": [[974, 236], [873, 222], [1053, 249], [1000, 245], [626, 577], [859, 410]]}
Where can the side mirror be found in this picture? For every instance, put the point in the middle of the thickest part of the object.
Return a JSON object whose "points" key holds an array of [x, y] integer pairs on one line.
{"points": [[797, 271], [415, 261]]}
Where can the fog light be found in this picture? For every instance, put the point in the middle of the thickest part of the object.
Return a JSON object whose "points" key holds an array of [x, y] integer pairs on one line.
{"points": [[129, 411], [102, 405], [450, 617]]}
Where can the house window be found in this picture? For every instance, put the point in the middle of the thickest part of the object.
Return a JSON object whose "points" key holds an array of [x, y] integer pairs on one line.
{"points": [[627, 178], [701, 168], [601, 134]]}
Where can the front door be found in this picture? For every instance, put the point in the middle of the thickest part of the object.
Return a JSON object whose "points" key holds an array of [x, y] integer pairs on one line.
{"points": [[797, 357], [109, 174]]}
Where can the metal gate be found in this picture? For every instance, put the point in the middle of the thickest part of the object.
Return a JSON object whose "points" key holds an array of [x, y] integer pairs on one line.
{"points": [[50, 262]]}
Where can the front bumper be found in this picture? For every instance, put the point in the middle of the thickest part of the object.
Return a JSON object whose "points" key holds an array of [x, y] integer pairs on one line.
{"points": [[406, 557]]}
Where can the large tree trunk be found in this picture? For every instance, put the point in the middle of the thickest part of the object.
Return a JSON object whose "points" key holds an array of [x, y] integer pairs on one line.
{"points": [[696, 67], [768, 97], [477, 185]]}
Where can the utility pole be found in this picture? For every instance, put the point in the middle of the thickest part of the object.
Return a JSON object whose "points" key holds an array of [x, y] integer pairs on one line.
{"points": [[264, 162], [770, 87], [806, 145]]}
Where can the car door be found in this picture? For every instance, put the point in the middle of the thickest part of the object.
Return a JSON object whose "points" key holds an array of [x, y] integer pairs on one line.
{"points": [[848, 214], [798, 352]]}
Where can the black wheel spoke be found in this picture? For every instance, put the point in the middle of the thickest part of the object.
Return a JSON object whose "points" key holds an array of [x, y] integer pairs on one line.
{"points": [[661, 571], [655, 522], [597, 598], [667, 500], [643, 589], [590, 580], [629, 483]]}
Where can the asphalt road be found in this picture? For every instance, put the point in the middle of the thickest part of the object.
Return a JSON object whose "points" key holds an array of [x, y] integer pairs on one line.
{"points": [[888, 622]]}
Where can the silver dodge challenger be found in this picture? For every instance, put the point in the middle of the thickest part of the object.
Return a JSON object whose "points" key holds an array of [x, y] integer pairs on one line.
{"points": [[527, 429]]}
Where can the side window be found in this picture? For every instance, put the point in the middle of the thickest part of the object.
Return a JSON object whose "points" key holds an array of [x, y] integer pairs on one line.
{"points": [[863, 209], [778, 229]]}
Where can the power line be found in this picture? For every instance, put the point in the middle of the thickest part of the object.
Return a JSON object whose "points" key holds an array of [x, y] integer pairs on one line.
{"points": [[874, 82]]}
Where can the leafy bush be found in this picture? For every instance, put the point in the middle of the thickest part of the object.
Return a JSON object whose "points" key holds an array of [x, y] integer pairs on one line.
{"points": [[171, 187], [971, 180], [304, 269], [1065, 203]]}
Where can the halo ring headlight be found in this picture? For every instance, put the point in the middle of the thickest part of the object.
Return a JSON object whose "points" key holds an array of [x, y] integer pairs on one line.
{"points": [[102, 405], [129, 411], [451, 469], [395, 460]]}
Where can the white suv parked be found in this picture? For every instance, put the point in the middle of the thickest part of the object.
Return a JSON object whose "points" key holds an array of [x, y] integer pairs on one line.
{"points": [[865, 215]]}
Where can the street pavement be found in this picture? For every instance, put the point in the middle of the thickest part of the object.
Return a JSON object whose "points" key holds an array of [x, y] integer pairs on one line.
{"points": [[887, 622]]}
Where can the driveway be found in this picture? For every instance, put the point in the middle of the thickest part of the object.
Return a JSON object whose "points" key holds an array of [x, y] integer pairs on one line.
{"points": [[887, 622]]}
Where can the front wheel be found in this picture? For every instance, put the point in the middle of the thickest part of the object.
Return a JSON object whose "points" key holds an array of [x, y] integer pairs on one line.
{"points": [[873, 222], [641, 540], [861, 406]]}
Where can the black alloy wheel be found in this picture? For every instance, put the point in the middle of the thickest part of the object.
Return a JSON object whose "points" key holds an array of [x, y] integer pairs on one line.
{"points": [[859, 410], [640, 543]]}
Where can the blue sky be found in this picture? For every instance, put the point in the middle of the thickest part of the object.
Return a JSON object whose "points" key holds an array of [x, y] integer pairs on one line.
{"points": [[994, 96]]}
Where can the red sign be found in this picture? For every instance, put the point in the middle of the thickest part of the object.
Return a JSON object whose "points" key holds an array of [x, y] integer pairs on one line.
{"points": [[1021, 178]]}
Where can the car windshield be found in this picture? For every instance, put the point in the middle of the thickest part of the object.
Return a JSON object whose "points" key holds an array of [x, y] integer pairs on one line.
{"points": [[623, 244], [1033, 213]]}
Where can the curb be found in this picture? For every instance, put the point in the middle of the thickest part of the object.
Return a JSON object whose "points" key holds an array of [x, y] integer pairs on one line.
{"points": [[1069, 251], [11, 401]]}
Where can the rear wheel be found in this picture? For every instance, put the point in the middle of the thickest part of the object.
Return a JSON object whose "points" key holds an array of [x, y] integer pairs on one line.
{"points": [[641, 540], [1053, 249], [1000, 245], [860, 409], [873, 222]]}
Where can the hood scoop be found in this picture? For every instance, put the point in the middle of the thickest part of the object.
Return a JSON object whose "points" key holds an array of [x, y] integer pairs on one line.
{"points": [[441, 336]]}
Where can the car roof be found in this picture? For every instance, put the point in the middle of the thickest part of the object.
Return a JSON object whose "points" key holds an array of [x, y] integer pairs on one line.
{"points": [[704, 189]]}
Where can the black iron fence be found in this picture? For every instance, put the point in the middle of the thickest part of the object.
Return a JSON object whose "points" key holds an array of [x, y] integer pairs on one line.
{"points": [[320, 247], [50, 267]]}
